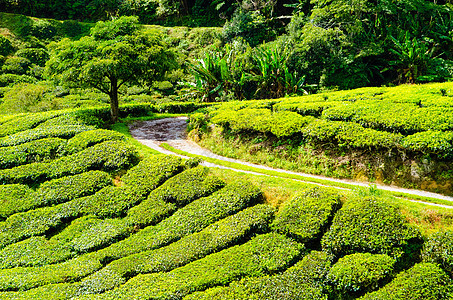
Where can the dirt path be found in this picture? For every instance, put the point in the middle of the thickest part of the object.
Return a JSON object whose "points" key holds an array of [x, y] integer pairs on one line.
{"points": [[173, 132]]}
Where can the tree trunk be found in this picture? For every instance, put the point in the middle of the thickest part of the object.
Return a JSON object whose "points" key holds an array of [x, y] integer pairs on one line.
{"points": [[114, 109]]}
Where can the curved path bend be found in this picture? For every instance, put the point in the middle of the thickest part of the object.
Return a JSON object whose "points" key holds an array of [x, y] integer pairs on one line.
{"points": [[173, 132]]}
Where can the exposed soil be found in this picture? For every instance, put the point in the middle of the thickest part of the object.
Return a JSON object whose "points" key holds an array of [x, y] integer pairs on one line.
{"points": [[173, 132]]}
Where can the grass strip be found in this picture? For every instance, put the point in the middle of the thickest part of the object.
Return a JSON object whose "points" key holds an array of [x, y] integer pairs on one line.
{"points": [[327, 182]]}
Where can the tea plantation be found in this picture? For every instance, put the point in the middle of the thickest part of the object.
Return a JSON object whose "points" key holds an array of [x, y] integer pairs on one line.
{"points": [[84, 216], [401, 135]]}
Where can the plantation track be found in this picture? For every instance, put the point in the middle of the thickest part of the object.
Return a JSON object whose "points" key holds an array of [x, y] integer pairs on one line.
{"points": [[173, 132]]}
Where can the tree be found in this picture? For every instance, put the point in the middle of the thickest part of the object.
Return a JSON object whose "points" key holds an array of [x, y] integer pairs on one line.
{"points": [[116, 52]]}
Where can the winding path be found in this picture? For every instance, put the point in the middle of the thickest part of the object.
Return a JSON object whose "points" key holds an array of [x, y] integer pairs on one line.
{"points": [[173, 132]]}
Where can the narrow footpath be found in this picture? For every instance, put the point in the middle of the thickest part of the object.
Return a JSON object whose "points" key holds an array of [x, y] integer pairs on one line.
{"points": [[173, 132]]}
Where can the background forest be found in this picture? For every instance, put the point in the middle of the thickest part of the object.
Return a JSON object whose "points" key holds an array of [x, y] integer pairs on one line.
{"points": [[254, 49]]}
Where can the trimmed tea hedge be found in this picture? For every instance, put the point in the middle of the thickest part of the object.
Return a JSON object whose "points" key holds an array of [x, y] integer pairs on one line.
{"points": [[360, 272], [438, 249], [24, 278], [87, 139], [191, 218], [34, 151], [25, 122], [350, 134], [302, 281], [177, 191], [18, 198], [421, 282], [107, 156], [370, 225], [12, 197], [280, 124], [153, 171], [436, 142], [63, 132], [306, 216], [220, 235], [262, 255], [38, 250]]}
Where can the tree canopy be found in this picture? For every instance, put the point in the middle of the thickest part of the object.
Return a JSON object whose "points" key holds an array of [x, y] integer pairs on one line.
{"points": [[116, 52]]}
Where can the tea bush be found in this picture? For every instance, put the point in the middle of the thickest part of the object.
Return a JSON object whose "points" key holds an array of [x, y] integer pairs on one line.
{"points": [[33, 151], [24, 122], [192, 218], [423, 281], [306, 216], [438, 249], [262, 255], [108, 156], [217, 236], [89, 138], [371, 225], [360, 272]]}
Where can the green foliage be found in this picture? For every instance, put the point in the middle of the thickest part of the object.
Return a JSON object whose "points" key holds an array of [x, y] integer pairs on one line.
{"points": [[214, 238], [350, 134], [10, 196], [371, 225], [18, 198], [40, 133], [114, 54], [37, 56], [6, 47], [152, 172], [423, 281], [109, 156], [13, 79], [24, 122], [87, 139], [178, 191], [438, 249], [192, 218], [23, 97], [439, 143], [16, 65], [39, 150], [306, 216], [271, 73], [360, 272], [301, 281], [264, 254]]}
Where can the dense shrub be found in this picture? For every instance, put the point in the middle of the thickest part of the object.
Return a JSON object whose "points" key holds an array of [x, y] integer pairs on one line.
{"points": [[152, 172], [102, 233], [16, 65], [39, 250], [438, 249], [360, 272], [41, 133], [439, 143], [5, 46], [29, 277], [306, 216], [262, 255], [219, 235], [11, 195], [33, 151], [371, 225], [421, 282], [37, 56], [18, 198], [108, 156], [190, 219], [13, 79], [89, 138], [350, 134], [25, 122], [302, 281], [177, 191]]}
